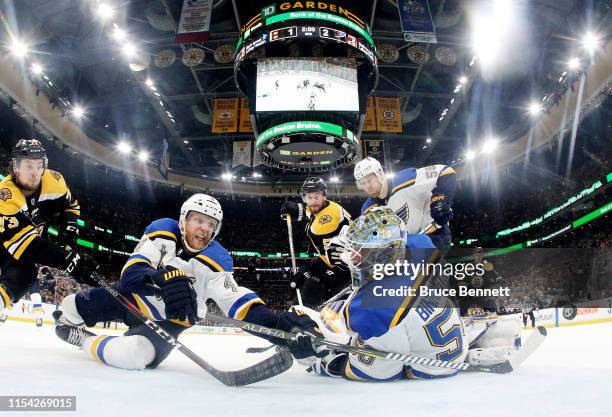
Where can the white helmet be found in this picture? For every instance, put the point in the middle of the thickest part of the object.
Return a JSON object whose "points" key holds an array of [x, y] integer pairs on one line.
{"points": [[366, 167], [205, 204]]}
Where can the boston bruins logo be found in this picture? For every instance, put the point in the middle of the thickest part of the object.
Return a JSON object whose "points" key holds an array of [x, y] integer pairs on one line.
{"points": [[325, 219], [5, 194], [55, 175]]}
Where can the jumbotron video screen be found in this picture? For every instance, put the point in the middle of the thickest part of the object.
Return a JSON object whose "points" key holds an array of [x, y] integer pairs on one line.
{"points": [[323, 84]]}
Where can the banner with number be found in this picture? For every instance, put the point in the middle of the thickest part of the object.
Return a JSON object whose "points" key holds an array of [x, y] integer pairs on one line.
{"points": [[416, 20], [195, 21], [242, 153], [374, 148], [245, 121], [388, 116], [370, 117], [225, 115]]}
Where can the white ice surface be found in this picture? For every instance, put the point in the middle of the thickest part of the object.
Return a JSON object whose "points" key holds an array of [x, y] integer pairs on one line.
{"points": [[570, 375]]}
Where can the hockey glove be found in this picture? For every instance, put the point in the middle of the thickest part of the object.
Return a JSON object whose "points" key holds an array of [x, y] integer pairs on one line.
{"points": [[177, 293], [440, 209], [81, 267], [69, 234], [331, 365], [293, 209], [301, 346], [337, 251]]}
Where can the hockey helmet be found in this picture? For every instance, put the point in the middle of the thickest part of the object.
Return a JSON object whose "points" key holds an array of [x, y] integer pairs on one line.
{"points": [[366, 167], [28, 149], [205, 204], [313, 185]]}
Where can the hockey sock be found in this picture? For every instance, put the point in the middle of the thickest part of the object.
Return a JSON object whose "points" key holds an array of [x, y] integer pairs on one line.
{"points": [[125, 352]]}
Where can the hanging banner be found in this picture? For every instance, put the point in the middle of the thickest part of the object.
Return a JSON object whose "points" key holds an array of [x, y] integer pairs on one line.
{"points": [[256, 159], [375, 149], [416, 20], [369, 124], [195, 21], [245, 121], [388, 116], [225, 115], [242, 153], [164, 163]]}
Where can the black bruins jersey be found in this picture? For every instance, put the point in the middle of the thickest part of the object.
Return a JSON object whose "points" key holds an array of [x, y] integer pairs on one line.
{"points": [[324, 225], [24, 219]]}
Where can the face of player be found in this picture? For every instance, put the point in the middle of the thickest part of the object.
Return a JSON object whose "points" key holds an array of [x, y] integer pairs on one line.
{"points": [[371, 185], [29, 173], [314, 201], [199, 230]]}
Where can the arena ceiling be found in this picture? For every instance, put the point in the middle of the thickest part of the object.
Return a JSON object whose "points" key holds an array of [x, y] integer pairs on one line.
{"points": [[81, 65]]}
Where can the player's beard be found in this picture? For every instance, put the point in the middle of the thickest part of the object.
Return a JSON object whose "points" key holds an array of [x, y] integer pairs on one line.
{"points": [[26, 188]]}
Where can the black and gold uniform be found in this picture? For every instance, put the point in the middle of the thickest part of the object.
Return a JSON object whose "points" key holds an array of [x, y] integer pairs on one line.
{"points": [[23, 220], [320, 279]]}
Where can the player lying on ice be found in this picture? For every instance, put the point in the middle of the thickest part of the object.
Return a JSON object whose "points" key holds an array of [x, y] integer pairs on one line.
{"points": [[431, 328], [174, 269]]}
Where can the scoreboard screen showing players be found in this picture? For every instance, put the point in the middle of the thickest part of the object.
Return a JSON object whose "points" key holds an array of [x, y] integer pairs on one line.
{"points": [[306, 84]]}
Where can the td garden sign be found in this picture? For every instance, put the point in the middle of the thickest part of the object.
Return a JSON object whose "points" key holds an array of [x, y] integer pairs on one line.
{"points": [[307, 146]]}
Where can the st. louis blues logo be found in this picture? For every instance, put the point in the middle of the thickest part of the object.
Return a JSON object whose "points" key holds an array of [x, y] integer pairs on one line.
{"points": [[403, 213]]}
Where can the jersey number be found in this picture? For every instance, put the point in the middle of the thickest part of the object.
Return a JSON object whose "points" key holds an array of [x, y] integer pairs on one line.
{"points": [[230, 284], [11, 223], [439, 338]]}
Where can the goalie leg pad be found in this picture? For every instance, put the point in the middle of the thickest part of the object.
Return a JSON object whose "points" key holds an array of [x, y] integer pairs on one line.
{"points": [[125, 352]]}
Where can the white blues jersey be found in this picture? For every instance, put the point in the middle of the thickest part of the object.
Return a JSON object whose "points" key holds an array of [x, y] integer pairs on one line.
{"points": [[409, 195]]}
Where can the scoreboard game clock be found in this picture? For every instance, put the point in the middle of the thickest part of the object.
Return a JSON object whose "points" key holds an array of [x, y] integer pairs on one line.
{"points": [[323, 56]]}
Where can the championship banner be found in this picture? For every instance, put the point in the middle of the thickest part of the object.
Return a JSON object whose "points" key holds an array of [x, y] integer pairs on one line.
{"points": [[195, 21], [416, 20], [388, 116], [225, 115], [242, 153], [164, 163], [245, 121], [369, 124], [375, 149], [257, 160]]}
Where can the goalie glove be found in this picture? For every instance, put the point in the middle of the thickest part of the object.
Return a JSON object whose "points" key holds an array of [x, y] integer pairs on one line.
{"points": [[337, 249]]}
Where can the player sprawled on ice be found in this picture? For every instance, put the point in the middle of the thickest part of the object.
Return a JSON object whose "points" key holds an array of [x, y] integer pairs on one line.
{"points": [[32, 198], [428, 327], [174, 269], [323, 277], [421, 197]]}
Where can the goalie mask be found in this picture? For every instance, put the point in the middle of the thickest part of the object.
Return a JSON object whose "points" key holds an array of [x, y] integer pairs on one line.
{"points": [[377, 237]]}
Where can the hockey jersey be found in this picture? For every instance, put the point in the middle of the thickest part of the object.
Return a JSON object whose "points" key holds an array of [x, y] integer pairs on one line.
{"points": [[324, 225], [409, 195], [23, 219], [211, 271]]}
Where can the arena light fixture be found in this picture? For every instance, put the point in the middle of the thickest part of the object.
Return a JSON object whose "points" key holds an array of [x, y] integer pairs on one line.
{"points": [[143, 156], [390, 175], [129, 50], [124, 147], [36, 68], [573, 63], [256, 175], [149, 83], [227, 176], [105, 11], [469, 155], [78, 111], [535, 108], [590, 42], [428, 140], [19, 48], [334, 179], [489, 145], [463, 79]]}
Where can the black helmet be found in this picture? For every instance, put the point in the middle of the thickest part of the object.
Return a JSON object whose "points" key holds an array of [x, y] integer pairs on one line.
{"points": [[28, 149], [314, 184]]}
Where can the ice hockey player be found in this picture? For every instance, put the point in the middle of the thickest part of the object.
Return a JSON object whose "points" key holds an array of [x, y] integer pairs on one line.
{"points": [[31, 198], [419, 196], [432, 328], [323, 277], [174, 269]]}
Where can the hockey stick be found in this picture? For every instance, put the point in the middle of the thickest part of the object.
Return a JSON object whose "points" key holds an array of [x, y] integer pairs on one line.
{"points": [[535, 339], [272, 366], [292, 253]]}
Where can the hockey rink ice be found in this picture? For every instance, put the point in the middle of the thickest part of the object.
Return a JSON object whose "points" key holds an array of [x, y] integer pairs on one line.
{"points": [[569, 375]]}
